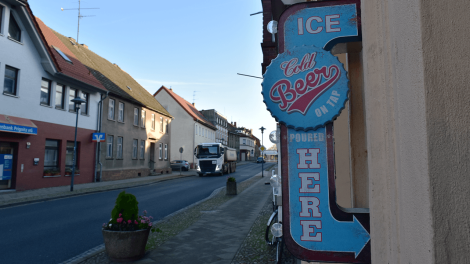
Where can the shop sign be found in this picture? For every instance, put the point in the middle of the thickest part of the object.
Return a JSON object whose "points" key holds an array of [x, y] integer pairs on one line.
{"points": [[98, 137], [305, 87], [6, 165], [5, 127]]}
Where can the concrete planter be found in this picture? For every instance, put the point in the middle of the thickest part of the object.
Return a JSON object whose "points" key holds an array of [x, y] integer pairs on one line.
{"points": [[231, 188], [124, 246]]}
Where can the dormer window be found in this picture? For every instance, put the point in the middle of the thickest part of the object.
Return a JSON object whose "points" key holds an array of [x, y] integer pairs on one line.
{"points": [[62, 55], [14, 31]]}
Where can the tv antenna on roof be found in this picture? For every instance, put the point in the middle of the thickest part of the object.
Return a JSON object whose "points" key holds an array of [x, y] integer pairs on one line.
{"points": [[194, 96], [79, 15]]}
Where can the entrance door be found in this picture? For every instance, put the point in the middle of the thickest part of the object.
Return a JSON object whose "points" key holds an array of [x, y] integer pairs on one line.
{"points": [[7, 164], [152, 156], [243, 156]]}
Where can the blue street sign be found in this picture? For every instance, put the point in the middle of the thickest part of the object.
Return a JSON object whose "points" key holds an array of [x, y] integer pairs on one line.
{"points": [[6, 166], [312, 224], [98, 137]]}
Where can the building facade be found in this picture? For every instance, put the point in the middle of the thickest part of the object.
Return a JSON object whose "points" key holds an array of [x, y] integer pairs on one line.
{"points": [[406, 127], [247, 144], [234, 138], [136, 125], [220, 122], [189, 127], [37, 119]]}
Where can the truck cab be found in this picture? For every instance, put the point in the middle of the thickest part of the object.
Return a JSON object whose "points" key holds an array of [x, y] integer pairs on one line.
{"points": [[212, 158]]}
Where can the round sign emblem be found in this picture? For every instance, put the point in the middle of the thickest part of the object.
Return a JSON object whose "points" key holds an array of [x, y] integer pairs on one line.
{"points": [[305, 87]]}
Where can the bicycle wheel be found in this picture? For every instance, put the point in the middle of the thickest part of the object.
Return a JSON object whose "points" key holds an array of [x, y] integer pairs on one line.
{"points": [[269, 237]]}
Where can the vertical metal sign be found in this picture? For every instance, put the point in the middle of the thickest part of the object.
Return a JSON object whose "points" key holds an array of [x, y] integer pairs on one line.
{"points": [[305, 88]]}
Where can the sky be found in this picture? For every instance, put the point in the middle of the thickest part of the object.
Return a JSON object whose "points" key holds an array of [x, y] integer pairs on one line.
{"points": [[195, 47]]}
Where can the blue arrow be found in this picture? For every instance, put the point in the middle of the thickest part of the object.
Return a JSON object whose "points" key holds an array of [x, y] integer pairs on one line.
{"points": [[312, 225]]}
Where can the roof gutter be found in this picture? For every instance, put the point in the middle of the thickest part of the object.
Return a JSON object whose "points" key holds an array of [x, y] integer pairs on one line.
{"points": [[98, 145], [78, 83]]}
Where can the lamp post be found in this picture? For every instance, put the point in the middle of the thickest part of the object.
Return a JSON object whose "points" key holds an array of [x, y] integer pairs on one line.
{"points": [[77, 102], [262, 155]]}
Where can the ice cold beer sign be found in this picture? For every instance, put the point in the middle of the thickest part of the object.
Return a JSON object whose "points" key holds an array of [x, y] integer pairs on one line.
{"points": [[305, 88]]}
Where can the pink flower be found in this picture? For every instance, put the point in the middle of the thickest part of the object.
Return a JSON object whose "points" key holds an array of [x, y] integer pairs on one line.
{"points": [[150, 224], [135, 222], [129, 221], [120, 215], [119, 220], [143, 221], [104, 224], [145, 211], [151, 217]]}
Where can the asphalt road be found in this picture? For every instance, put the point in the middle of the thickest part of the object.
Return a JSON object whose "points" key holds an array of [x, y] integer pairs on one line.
{"points": [[57, 230]]}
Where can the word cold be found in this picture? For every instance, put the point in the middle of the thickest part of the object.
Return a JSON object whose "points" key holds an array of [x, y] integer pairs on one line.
{"points": [[310, 205]]}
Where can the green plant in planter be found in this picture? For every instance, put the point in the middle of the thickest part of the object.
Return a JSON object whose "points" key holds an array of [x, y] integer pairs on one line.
{"points": [[231, 179], [127, 206], [47, 173]]}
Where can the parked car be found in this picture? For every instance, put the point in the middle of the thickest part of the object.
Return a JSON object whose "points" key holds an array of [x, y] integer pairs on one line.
{"points": [[260, 160], [176, 165]]}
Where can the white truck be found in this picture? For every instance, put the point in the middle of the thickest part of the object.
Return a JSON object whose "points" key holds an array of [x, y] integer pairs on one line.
{"points": [[214, 158]]}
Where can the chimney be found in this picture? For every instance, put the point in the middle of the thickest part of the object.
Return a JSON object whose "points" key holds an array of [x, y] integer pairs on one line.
{"points": [[85, 46], [194, 104], [171, 89], [235, 124]]}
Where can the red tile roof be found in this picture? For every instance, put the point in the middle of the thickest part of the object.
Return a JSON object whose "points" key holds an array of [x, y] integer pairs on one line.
{"points": [[75, 69], [188, 107]]}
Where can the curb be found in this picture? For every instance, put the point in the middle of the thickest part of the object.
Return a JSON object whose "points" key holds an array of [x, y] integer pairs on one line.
{"points": [[93, 191], [98, 249]]}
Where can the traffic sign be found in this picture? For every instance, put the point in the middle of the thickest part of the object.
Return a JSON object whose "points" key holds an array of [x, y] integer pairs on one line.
{"points": [[262, 148], [181, 150], [98, 137]]}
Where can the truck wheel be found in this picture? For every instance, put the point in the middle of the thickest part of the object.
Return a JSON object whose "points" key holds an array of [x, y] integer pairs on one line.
{"points": [[201, 174]]}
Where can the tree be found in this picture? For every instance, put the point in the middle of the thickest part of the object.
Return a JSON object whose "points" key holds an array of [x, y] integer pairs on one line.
{"points": [[273, 147]]}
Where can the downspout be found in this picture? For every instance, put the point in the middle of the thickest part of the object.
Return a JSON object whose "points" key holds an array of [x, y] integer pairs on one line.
{"points": [[98, 146], [194, 143]]}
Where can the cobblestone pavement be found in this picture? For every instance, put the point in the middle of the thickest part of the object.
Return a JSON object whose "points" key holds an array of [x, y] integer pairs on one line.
{"points": [[174, 224]]}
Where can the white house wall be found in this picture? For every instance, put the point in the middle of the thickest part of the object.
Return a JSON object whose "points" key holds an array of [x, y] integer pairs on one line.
{"points": [[26, 104]]}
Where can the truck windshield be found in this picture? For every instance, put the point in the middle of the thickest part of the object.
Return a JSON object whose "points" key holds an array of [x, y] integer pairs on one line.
{"points": [[208, 150]]}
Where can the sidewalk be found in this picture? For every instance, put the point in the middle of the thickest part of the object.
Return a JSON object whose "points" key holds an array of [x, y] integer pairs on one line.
{"points": [[12, 198], [217, 235]]}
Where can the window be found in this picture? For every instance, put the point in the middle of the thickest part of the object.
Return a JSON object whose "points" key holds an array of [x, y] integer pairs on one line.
{"points": [[111, 109], [161, 124], [142, 149], [119, 148], [14, 31], [69, 155], [62, 55], [166, 125], [136, 116], [196, 130], [11, 81], [121, 112], [72, 95], [109, 147], [142, 119], [166, 151], [160, 151], [244, 141], [134, 149], [153, 121], [51, 157], [84, 106], [59, 96]]}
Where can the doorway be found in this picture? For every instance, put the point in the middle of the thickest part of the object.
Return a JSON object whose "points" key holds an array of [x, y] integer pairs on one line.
{"points": [[8, 159], [152, 156]]}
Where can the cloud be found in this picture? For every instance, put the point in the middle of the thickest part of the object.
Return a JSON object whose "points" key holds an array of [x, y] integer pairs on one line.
{"points": [[167, 83]]}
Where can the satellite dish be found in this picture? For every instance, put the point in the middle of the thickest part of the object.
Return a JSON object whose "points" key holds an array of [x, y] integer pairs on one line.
{"points": [[274, 137]]}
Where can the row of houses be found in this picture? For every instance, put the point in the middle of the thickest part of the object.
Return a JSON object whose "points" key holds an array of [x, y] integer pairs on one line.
{"points": [[43, 71]]}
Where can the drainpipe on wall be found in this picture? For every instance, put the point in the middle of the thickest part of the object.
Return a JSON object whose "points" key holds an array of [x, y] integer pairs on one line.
{"points": [[194, 143], [98, 145]]}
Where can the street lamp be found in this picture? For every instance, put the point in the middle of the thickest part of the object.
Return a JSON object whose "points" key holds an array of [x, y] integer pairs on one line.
{"points": [[77, 102], [262, 155]]}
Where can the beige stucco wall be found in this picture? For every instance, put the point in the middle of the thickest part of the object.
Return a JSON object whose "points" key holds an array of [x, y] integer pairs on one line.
{"points": [[416, 95]]}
